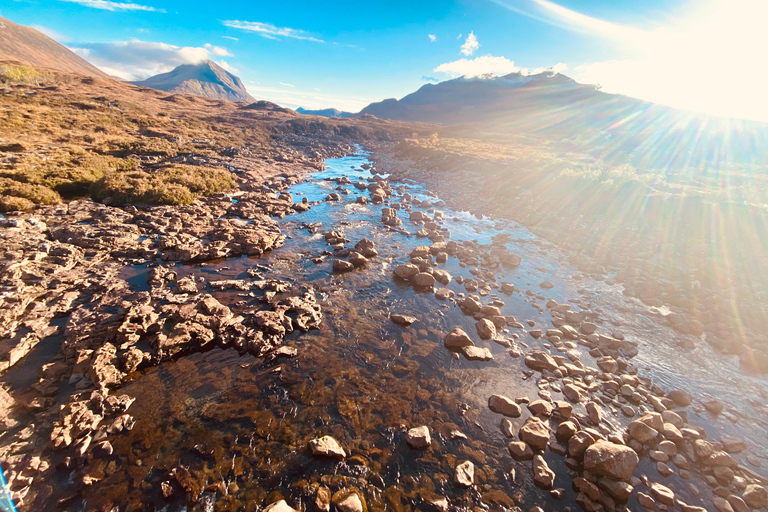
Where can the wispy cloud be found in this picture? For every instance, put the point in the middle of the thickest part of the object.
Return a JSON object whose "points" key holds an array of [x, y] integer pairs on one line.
{"points": [[107, 5], [136, 60], [56, 36], [271, 31], [294, 98], [217, 50], [470, 45], [287, 85], [479, 66], [231, 38], [432, 38]]}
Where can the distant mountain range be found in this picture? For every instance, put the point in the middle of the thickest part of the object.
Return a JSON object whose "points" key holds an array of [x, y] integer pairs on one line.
{"points": [[326, 112], [204, 79], [30, 46]]}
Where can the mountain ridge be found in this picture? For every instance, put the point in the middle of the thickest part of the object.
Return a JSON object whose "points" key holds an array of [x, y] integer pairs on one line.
{"points": [[30, 46], [206, 79]]}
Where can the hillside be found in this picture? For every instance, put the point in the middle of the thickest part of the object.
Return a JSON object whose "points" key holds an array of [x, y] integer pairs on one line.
{"points": [[206, 79], [326, 112], [30, 46]]}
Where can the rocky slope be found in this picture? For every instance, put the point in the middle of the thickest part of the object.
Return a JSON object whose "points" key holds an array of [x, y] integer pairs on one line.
{"points": [[30, 46], [206, 79]]}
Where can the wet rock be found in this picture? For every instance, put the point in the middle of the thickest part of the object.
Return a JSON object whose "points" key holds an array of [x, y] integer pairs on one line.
{"points": [[465, 474], [579, 442], [574, 393], [731, 444], [342, 266], [403, 320], [539, 361], [485, 329], [547, 285], [507, 288], [418, 437], [756, 496], [566, 430], [581, 484], [642, 432], [367, 248], [662, 494], [477, 353], [535, 432], [612, 460], [541, 408], [423, 279], [621, 491], [594, 412], [520, 451], [500, 404], [681, 398], [737, 504], [357, 260], [456, 339], [441, 276], [327, 446], [543, 476], [406, 271], [507, 428], [646, 500], [323, 499], [279, 506], [350, 503]]}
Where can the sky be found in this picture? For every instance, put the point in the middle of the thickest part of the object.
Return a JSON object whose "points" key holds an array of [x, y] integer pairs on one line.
{"points": [[704, 55]]}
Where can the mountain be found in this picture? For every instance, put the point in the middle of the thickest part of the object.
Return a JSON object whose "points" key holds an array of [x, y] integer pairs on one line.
{"points": [[558, 108], [206, 79], [326, 112], [30, 46]]}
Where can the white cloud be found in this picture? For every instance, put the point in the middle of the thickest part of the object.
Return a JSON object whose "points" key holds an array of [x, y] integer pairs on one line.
{"points": [[107, 5], [271, 31], [470, 45], [218, 51], [224, 64], [287, 85], [459, 36], [294, 98], [231, 38], [137, 60], [432, 38], [56, 36], [479, 66]]}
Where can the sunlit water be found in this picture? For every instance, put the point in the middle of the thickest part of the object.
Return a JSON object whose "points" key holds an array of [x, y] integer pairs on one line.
{"points": [[362, 379]]}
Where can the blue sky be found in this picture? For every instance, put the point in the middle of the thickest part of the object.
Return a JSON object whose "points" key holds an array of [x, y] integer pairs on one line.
{"points": [[346, 54]]}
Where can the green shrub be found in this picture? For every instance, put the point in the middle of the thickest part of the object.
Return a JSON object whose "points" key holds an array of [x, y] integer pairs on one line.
{"points": [[15, 204], [37, 194]]}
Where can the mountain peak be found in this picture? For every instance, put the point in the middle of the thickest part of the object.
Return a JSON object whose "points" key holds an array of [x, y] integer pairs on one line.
{"points": [[206, 78]]}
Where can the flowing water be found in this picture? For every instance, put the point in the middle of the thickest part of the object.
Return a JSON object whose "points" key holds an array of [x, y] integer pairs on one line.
{"points": [[240, 425]]}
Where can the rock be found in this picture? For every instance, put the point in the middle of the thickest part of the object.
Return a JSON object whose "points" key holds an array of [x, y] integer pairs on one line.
{"points": [[681, 398], [540, 408], [357, 260], [367, 248], [732, 445], [342, 266], [588, 328], [756, 496], [607, 364], [403, 320], [594, 412], [573, 393], [323, 499], [662, 494], [543, 476], [406, 271], [621, 491], [485, 329], [642, 432], [418, 437], [612, 460], [646, 501], [442, 276], [502, 405], [566, 430], [581, 484], [714, 406], [579, 442], [351, 503], [327, 446], [535, 432], [423, 279], [519, 450], [477, 353], [539, 361], [722, 505], [507, 288], [456, 339], [465, 474], [279, 506], [547, 285], [737, 504]]}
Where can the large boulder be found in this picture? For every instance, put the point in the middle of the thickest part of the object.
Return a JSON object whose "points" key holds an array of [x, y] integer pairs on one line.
{"points": [[610, 459]]}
